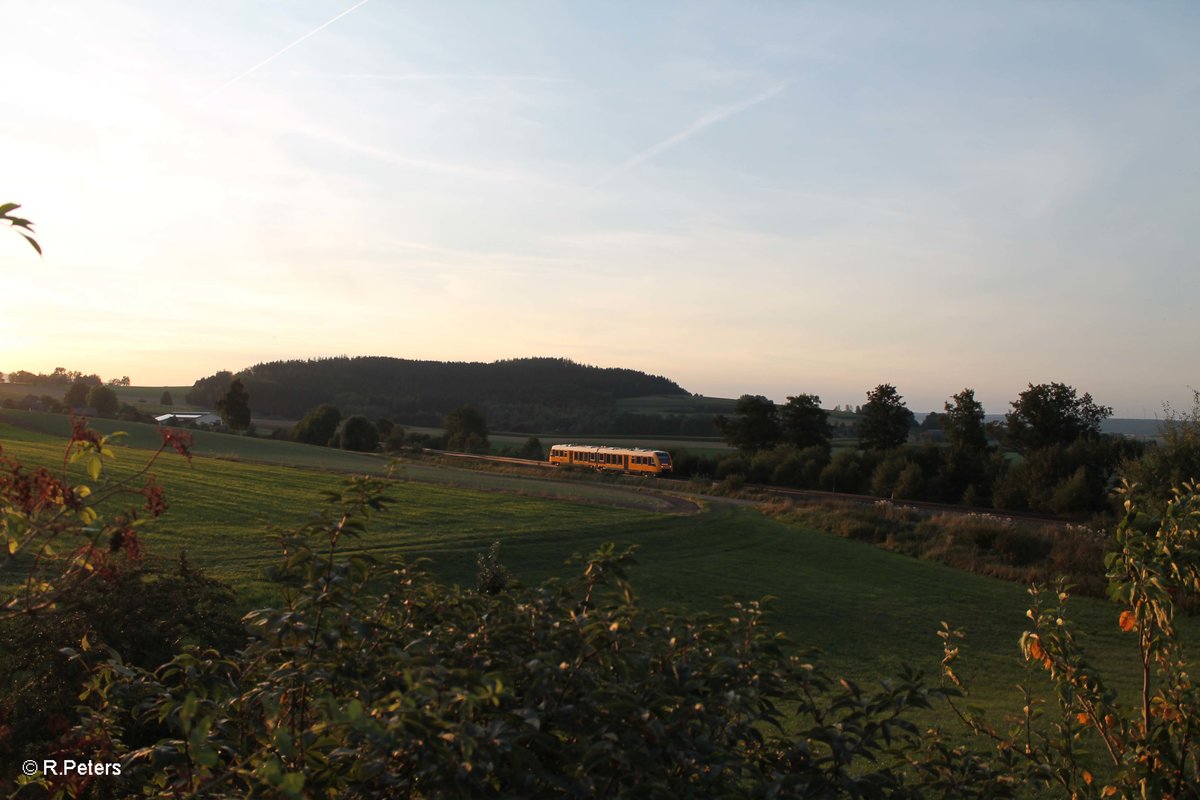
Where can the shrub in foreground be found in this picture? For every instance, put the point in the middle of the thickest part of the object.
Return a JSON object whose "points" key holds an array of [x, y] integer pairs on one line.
{"points": [[372, 679]]}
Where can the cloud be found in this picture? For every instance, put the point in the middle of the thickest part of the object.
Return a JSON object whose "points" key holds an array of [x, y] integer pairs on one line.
{"points": [[707, 121]]}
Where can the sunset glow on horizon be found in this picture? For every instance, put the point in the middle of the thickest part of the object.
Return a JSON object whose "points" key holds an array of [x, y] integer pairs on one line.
{"points": [[746, 198]]}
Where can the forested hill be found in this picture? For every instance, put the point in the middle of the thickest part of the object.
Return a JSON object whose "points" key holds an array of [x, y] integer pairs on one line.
{"points": [[533, 393]]}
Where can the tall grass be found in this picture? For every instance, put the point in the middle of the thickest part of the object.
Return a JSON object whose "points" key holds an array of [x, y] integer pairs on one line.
{"points": [[985, 544]]}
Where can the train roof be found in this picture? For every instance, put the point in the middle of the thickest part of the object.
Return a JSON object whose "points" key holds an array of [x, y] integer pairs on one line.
{"points": [[601, 448]]}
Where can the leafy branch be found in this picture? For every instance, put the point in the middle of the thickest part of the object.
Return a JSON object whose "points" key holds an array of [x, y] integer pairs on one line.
{"points": [[23, 226]]}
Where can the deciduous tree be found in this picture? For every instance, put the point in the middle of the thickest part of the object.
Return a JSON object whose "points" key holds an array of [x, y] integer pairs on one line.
{"points": [[318, 425], [77, 393], [104, 400], [1052, 414], [466, 430], [359, 434], [755, 425], [234, 407], [804, 423], [963, 422], [1173, 459], [885, 420]]}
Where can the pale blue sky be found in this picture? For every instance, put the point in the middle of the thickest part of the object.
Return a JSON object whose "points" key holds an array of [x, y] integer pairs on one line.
{"points": [[768, 198]]}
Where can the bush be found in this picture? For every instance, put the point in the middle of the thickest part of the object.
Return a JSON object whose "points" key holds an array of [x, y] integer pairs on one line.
{"points": [[318, 426], [764, 463], [357, 433], [395, 440], [492, 576], [372, 679], [532, 450], [146, 615], [686, 464], [910, 484], [885, 475], [1020, 547], [104, 400], [845, 472], [732, 465]]}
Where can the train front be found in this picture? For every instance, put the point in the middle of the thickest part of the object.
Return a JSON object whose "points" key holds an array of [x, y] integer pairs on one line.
{"points": [[664, 460]]}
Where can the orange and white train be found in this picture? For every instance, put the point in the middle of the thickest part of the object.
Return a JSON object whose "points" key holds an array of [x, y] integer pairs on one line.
{"points": [[636, 460]]}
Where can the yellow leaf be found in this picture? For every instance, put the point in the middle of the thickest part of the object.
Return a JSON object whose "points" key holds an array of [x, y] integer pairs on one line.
{"points": [[12, 546], [1127, 621], [93, 467], [83, 491], [84, 645], [1087, 777]]}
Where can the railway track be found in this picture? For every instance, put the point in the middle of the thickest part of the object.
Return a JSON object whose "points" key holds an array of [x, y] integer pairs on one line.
{"points": [[803, 495]]}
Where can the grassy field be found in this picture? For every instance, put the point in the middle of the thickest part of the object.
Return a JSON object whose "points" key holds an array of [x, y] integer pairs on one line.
{"points": [[145, 398], [867, 609], [695, 444], [676, 404]]}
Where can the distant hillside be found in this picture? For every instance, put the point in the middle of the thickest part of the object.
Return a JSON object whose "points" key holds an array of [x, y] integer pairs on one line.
{"points": [[527, 394]]}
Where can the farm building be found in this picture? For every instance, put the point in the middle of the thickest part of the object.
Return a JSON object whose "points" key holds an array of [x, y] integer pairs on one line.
{"points": [[189, 417]]}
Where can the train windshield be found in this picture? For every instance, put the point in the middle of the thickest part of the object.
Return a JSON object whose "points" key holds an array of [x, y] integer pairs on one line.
{"points": [[663, 458]]}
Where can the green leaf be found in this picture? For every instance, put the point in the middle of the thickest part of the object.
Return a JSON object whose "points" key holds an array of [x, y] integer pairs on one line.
{"points": [[33, 243], [292, 784], [7, 207]]}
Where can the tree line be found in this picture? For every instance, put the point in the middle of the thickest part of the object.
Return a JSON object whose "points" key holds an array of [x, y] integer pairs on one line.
{"points": [[1048, 456], [61, 376]]}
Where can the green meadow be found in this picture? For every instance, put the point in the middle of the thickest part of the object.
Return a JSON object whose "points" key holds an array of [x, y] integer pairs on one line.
{"points": [[866, 609]]}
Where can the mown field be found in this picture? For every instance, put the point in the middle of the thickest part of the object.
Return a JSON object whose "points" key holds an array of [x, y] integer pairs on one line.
{"points": [[867, 609]]}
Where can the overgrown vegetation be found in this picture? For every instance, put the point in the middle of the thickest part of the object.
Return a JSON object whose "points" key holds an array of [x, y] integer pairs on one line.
{"points": [[986, 544]]}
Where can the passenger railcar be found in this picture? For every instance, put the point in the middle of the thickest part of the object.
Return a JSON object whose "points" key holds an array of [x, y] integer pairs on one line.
{"points": [[636, 460]]}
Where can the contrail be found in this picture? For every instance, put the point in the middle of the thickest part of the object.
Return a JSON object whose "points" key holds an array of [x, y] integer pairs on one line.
{"points": [[280, 52], [708, 120]]}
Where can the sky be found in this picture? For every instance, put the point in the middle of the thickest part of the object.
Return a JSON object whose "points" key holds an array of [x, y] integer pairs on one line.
{"points": [[747, 197]]}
